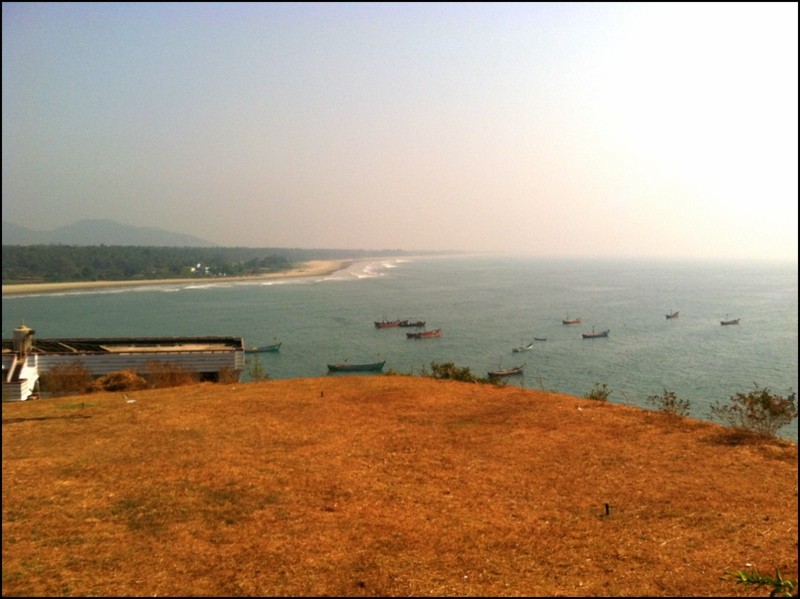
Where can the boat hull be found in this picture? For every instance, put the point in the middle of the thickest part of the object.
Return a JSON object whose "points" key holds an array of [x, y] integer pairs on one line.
{"points": [[494, 374], [410, 323], [595, 335], [371, 367], [425, 334], [263, 349]]}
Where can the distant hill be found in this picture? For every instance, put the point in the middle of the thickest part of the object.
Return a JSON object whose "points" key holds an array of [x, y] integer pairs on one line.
{"points": [[100, 232]]}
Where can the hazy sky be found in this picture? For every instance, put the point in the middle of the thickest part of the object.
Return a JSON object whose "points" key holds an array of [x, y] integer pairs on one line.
{"points": [[652, 130]]}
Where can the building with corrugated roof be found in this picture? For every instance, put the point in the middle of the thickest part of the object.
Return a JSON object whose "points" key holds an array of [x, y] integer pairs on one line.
{"points": [[25, 358]]}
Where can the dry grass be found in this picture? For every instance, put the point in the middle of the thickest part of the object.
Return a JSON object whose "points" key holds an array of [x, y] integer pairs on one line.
{"points": [[384, 485]]}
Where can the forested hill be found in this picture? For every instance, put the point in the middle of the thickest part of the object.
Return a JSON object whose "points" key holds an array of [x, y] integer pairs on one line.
{"points": [[68, 263], [100, 232]]}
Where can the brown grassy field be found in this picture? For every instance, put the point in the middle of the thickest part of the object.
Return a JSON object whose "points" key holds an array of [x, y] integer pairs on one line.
{"points": [[385, 485]]}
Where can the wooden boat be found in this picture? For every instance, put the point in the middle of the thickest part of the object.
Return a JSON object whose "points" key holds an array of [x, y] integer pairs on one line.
{"points": [[734, 321], [263, 348], [387, 324], [412, 323], [573, 321], [523, 348], [672, 315], [369, 367], [516, 370], [594, 335], [425, 334]]}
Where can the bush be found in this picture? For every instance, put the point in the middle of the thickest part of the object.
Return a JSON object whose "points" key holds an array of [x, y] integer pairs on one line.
{"points": [[450, 371], [760, 411], [121, 380], [669, 403], [66, 379], [599, 392], [165, 374], [257, 371], [228, 375], [393, 372]]}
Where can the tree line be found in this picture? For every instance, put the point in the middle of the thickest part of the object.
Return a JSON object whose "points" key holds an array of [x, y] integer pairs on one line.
{"points": [[67, 263]]}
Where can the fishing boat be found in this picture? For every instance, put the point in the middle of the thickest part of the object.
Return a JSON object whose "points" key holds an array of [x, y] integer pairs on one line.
{"points": [[573, 321], [387, 324], [368, 367], [412, 323], [263, 348], [425, 334], [672, 315], [594, 335], [523, 348], [540, 338], [733, 321], [516, 370]]}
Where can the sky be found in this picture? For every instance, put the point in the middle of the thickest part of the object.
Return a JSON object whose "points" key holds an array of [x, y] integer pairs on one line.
{"points": [[643, 130]]}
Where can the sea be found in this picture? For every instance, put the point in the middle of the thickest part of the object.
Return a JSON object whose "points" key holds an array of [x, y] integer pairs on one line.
{"points": [[485, 305]]}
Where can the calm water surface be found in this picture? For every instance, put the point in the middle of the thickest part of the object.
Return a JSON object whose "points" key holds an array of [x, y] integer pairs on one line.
{"points": [[485, 305]]}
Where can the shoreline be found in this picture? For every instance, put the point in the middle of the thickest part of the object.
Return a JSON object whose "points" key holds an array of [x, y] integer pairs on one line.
{"points": [[310, 268]]}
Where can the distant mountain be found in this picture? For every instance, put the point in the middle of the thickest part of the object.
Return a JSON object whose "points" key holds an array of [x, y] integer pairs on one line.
{"points": [[99, 232], [17, 235]]}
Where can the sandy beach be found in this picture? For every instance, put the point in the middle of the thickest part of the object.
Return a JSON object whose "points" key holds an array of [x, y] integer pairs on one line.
{"points": [[312, 268]]}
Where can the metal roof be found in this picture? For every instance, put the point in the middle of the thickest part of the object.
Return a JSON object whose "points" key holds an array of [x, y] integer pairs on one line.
{"points": [[130, 344]]}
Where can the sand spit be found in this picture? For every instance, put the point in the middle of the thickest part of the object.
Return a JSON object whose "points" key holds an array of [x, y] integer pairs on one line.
{"points": [[311, 268]]}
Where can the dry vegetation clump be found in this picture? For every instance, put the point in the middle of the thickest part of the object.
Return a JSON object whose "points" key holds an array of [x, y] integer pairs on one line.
{"points": [[120, 380], [384, 486], [165, 374], [228, 375], [74, 379], [66, 379]]}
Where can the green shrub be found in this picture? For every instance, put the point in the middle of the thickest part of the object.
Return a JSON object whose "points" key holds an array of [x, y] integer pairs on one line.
{"points": [[669, 403], [781, 587], [257, 372], [448, 370], [599, 392], [760, 411]]}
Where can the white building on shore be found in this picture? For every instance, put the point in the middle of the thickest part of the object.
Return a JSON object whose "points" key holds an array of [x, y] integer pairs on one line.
{"points": [[25, 359]]}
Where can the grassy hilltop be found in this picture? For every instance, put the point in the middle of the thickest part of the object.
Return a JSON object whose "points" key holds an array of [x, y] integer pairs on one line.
{"points": [[385, 485]]}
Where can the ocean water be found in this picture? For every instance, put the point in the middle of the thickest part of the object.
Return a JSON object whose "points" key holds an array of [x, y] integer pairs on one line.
{"points": [[485, 306]]}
